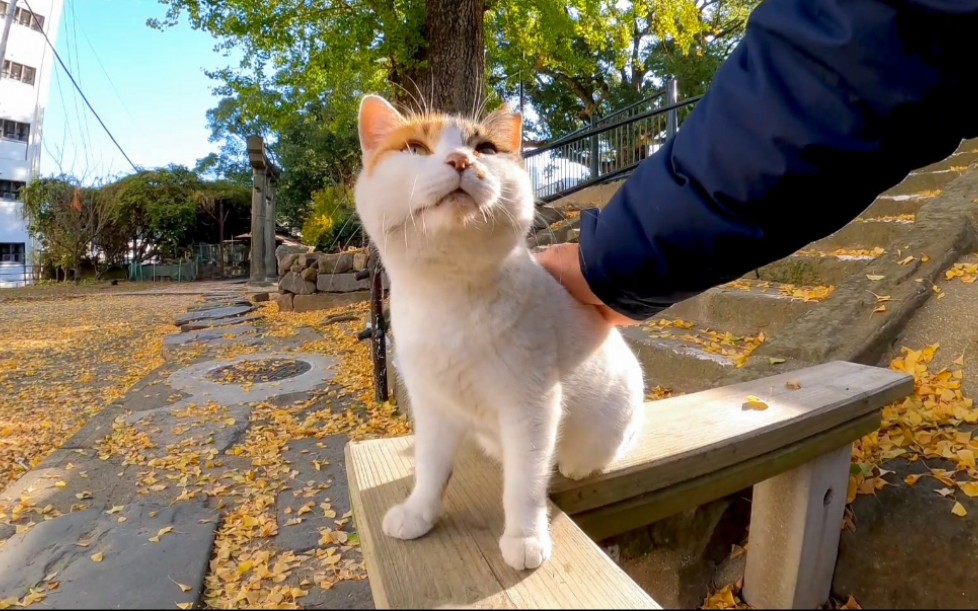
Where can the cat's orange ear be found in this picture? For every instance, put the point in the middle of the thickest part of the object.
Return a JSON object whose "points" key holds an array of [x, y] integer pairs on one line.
{"points": [[376, 122], [507, 126]]}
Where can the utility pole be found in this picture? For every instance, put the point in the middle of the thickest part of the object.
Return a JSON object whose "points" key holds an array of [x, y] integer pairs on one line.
{"points": [[9, 21]]}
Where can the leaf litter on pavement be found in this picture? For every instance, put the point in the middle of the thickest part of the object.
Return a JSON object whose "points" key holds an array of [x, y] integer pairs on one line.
{"points": [[246, 571]]}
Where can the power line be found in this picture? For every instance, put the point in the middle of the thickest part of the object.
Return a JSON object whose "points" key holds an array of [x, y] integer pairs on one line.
{"points": [[77, 88]]}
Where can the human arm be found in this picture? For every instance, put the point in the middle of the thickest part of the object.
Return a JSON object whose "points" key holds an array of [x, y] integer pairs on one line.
{"points": [[823, 105]]}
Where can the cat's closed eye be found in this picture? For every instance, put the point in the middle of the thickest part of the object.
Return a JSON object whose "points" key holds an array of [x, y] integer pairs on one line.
{"points": [[416, 148], [487, 148]]}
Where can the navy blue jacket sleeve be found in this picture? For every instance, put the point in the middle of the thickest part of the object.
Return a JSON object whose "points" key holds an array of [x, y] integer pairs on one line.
{"points": [[823, 105]]}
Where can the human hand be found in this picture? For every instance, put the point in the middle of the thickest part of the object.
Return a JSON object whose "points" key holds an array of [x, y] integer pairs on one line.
{"points": [[564, 264]]}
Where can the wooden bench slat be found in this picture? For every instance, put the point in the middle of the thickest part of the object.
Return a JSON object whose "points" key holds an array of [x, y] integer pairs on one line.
{"points": [[458, 564], [653, 506], [693, 435]]}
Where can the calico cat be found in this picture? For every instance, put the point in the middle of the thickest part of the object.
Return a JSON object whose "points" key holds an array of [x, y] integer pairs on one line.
{"points": [[488, 343]]}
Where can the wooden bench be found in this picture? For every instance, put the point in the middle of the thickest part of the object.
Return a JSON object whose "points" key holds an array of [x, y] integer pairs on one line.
{"points": [[696, 448]]}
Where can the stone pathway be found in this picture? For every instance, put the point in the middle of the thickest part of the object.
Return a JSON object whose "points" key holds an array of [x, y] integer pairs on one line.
{"points": [[218, 480]]}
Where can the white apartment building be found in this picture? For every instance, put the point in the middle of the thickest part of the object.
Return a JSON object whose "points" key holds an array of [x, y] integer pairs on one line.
{"points": [[25, 85]]}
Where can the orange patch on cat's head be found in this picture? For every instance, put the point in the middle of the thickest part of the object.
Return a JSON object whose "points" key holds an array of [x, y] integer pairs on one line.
{"points": [[384, 130]]}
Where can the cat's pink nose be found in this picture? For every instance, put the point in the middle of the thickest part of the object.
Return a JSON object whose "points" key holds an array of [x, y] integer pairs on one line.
{"points": [[459, 160]]}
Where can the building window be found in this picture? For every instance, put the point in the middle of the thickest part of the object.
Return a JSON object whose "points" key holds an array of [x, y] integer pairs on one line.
{"points": [[13, 253], [18, 72], [15, 130], [24, 17], [10, 189]]}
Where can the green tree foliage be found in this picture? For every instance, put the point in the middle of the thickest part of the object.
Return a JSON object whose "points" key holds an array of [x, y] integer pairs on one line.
{"points": [[159, 209], [67, 219], [332, 223], [306, 64], [152, 213], [582, 58]]}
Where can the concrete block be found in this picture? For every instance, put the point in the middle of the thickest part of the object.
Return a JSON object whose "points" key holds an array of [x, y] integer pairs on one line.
{"points": [[285, 302]]}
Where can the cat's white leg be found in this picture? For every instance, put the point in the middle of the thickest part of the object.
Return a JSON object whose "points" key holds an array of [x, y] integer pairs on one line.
{"points": [[588, 445], [436, 441], [529, 437], [601, 422]]}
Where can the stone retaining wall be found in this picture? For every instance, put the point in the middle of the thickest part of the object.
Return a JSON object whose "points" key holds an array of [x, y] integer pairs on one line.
{"points": [[306, 278]]}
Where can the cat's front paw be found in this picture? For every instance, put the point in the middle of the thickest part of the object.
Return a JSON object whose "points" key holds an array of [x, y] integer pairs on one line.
{"points": [[526, 552], [575, 472], [407, 522]]}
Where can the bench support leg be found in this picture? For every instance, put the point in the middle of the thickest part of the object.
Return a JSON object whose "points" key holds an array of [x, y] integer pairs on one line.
{"points": [[795, 525]]}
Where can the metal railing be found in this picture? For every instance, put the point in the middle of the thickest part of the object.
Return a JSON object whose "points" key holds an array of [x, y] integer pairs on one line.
{"points": [[611, 147]]}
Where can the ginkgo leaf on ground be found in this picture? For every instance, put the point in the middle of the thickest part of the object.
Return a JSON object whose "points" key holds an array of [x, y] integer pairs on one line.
{"points": [[959, 510], [754, 403], [97, 557]]}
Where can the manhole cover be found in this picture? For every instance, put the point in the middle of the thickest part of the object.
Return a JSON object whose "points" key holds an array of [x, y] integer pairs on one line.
{"points": [[258, 372]]}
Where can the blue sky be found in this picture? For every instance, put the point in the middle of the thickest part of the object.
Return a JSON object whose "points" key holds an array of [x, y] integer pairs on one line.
{"points": [[148, 86]]}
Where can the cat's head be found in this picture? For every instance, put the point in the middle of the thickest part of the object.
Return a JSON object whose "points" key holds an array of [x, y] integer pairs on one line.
{"points": [[437, 186]]}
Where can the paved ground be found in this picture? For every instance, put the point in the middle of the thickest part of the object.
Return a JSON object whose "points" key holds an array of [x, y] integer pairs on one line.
{"points": [[217, 479]]}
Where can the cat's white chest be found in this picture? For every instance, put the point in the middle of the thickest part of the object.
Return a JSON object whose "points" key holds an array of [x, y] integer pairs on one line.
{"points": [[452, 355]]}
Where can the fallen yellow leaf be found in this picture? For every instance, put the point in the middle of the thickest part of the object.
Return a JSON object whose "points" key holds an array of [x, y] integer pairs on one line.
{"points": [[970, 489], [773, 360], [959, 510], [97, 557], [755, 403], [912, 479], [875, 277], [185, 605], [906, 260], [61, 484]]}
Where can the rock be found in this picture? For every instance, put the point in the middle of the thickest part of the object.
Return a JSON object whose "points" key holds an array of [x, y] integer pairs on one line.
{"points": [[295, 268], [213, 313], [908, 551], [133, 572], [283, 251], [285, 302], [294, 283], [259, 297], [285, 264], [344, 283], [219, 322], [310, 303], [336, 263], [359, 261], [309, 274]]}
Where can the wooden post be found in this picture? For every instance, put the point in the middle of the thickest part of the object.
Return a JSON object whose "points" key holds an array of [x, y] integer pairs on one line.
{"points": [[795, 525], [271, 262]]}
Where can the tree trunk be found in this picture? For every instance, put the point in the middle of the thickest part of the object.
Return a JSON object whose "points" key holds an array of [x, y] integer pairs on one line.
{"points": [[453, 77]]}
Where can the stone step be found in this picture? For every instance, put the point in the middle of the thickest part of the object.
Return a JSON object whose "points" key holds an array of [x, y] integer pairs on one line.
{"points": [[921, 183], [867, 232], [952, 163], [968, 146], [896, 206], [818, 268], [683, 357], [747, 306]]}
